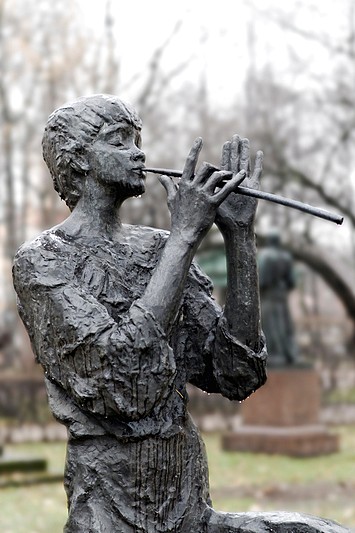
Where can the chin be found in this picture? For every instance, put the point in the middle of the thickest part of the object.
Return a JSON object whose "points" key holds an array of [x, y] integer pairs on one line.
{"points": [[140, 190], [132, 189]]}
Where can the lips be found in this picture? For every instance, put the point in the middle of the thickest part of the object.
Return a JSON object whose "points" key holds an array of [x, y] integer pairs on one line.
{"points": [[140, 171]]}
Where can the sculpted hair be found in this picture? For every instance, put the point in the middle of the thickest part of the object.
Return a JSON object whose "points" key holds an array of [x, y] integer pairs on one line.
{"points": [[69, 132]]}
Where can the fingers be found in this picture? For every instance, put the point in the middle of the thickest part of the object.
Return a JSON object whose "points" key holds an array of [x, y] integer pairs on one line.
{"points": [[225, 159], [169, 185], [204, 172], [244, 163], [258, 169], [235, 154], [217, 179], [229, 187], [191, 161]]}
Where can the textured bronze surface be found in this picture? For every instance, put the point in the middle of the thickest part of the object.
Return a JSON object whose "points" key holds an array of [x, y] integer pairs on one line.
{"points": [[121, 319]]}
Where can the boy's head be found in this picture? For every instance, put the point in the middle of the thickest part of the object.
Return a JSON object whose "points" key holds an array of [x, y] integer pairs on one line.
{"points": [[70, 131]]}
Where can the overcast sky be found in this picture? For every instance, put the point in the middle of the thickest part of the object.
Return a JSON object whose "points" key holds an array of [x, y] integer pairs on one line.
{"points": [[215, 35]]}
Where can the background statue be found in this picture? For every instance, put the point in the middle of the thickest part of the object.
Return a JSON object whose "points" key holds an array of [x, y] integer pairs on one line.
{"points": [[121, 319], [276, 280]]}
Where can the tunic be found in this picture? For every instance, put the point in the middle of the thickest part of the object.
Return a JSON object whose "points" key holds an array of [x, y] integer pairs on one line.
{"points": [[135, 461]]}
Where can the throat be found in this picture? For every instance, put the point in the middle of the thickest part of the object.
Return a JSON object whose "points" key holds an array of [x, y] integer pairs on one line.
{"points": [[98, 223]]}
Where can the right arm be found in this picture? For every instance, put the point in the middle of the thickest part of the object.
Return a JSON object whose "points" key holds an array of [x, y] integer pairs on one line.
{"points": [[193, 210], [108, 368], [225, 348]]}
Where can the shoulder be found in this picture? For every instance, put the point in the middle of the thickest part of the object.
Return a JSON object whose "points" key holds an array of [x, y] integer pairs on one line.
{"points": [[287, 256], [146, 241], [42, 259], [147, 233], [153, 240], [50, 244], [198, 278]]}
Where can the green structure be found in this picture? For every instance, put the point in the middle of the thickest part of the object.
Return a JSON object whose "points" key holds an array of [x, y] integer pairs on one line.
{"points": [[213, 263]]}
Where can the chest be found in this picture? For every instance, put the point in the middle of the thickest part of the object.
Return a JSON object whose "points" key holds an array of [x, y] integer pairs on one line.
{"points": [[117, 275]]}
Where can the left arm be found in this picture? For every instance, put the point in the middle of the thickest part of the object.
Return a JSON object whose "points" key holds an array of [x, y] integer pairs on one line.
{"points": [[216, 360], [235, 219], [225, 350]]}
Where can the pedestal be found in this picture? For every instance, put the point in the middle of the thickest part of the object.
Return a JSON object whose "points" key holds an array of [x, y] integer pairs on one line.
{"points": [[283, 417]]}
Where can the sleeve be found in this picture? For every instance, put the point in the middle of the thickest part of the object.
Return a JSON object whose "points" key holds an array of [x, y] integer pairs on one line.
{"points": [[124, 369], [216, 361]]}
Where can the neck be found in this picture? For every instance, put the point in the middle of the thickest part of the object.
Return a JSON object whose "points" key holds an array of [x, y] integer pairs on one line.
{"points": [[97, 212]]}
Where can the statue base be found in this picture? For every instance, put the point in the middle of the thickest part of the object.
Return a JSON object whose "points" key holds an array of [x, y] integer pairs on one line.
{"points": [[299, 441], [283, 417], [278, 522]]}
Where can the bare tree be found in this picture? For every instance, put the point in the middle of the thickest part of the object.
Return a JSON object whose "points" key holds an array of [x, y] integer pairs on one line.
{"points": [[307, 129], [46, 58], [42, 53]]}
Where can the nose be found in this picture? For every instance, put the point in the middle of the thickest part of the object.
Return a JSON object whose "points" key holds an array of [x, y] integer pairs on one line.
{"points": [[138, 155]]}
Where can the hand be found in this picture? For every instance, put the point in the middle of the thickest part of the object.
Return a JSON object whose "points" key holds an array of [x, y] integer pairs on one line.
{"points": [[194, 203], [238, 210]]}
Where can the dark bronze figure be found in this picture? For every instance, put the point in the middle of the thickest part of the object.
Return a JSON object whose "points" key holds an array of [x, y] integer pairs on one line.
{"points": [[276, 280], [121, 319]]}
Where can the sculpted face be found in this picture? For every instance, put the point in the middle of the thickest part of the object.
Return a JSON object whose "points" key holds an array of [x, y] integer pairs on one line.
{"points": [[94, 138], [115, 158]]}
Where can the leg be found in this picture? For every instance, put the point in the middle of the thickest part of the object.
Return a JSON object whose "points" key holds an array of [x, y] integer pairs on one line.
{"points": [[277, 522], [150, 485]]}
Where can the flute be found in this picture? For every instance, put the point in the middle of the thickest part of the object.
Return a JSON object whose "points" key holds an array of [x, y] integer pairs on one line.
{"points": [[275, 198]]}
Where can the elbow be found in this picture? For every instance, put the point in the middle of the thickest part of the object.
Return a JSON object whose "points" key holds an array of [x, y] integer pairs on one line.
{"points": [[240, 388], [240, 383], [239, 370]]}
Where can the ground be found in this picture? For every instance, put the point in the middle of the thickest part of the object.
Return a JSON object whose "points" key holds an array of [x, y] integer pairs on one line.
{"points": [[324, 486]]}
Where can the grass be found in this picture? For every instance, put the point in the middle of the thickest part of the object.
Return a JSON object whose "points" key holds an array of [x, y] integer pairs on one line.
{"points": [[37, 508], [241, 469], [324, 486], [341, 396]]}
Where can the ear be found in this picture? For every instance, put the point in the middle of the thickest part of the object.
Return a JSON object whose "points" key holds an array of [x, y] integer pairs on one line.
{"points": [[79, 161]]}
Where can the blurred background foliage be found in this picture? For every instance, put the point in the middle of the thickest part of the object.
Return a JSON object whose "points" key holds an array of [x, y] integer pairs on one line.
{"points": [[281, 74]]}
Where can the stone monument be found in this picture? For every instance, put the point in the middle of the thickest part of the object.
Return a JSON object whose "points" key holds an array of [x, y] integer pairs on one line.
{"points": [[121, 319], [282, 417]]}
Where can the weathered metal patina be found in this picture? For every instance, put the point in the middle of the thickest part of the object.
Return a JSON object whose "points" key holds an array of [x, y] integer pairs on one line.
{"points": [[121, 319]]}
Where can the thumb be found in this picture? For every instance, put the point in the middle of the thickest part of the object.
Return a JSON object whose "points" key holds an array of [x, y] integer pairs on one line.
{"points": [[169, 185]]}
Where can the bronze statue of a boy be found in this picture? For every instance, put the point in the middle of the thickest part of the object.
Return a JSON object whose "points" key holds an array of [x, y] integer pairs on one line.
{"points": [[121, 319]]}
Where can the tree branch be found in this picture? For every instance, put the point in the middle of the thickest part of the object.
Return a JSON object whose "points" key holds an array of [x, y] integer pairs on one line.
{"points": [[288, 172]]}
